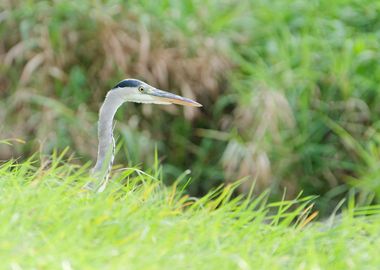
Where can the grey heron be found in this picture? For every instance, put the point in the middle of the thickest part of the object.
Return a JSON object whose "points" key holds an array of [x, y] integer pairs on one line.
{"points": [[131, 90]]}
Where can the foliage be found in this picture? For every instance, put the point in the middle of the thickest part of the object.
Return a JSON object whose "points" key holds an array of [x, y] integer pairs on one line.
{"points": [[289, 88], [49, 221]]}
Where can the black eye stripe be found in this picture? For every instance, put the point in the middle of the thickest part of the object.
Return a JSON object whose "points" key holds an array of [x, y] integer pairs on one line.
{"points": [[128, 83]]}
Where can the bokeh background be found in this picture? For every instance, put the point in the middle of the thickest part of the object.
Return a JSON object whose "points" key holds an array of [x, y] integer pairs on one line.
{"points": [[290, 89]]}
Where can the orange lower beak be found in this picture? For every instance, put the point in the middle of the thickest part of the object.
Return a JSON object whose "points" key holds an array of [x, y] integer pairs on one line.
{"points": [[174, 99]]}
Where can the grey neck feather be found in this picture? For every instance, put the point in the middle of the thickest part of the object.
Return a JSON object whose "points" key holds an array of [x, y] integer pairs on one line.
{"points": [[106, 145]]}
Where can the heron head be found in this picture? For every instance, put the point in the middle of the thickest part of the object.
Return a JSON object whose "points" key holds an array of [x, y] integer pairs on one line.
{"points": [[137, 91]]}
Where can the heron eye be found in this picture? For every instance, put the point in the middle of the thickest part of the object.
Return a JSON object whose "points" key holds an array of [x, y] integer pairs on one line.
{"points": [[141, 89]]}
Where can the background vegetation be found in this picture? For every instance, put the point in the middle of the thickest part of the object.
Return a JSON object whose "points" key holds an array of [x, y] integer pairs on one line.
{"points": [[290, 88]]}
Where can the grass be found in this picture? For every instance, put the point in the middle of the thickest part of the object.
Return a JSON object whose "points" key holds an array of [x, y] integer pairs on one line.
{"points": [[290, 94], [47, 221]]}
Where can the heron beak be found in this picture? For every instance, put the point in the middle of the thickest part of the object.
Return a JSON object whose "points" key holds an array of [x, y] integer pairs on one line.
{"points": [[172, 98]]}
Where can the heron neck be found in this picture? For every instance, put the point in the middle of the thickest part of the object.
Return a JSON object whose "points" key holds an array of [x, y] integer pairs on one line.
{"points": [[106, 145]]}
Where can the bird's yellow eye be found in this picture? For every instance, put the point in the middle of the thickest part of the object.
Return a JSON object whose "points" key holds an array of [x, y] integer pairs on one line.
{"points": [[141, 89]]}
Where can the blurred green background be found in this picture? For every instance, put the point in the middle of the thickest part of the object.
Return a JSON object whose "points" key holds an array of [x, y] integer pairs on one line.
{"points": [[290, 88]]}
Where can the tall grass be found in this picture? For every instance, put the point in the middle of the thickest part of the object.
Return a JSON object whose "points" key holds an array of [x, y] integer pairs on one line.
{"points": [[289, 88], [49, 221]]}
